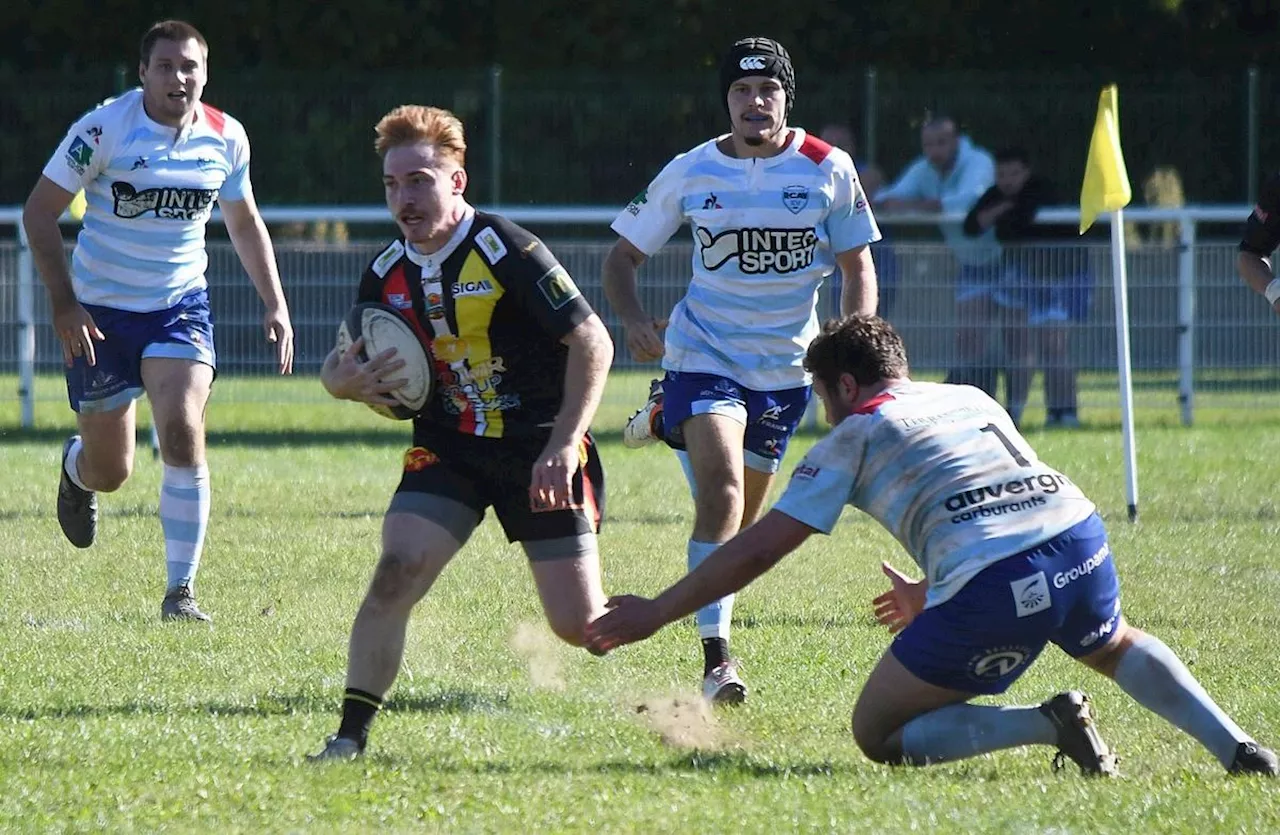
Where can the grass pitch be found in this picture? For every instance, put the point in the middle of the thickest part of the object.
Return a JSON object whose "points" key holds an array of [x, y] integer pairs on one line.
{"points": [[111, 720]]}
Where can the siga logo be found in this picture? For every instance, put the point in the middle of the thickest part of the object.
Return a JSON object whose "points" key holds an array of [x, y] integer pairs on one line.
{"points": [[752, 62]]}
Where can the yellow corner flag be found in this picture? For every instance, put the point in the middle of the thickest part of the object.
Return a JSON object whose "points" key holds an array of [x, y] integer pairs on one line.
{"points": [[1106, 183]]}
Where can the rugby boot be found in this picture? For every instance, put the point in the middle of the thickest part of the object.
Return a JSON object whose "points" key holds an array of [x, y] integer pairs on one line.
{"points": [[77, 508], [1078, 738]]}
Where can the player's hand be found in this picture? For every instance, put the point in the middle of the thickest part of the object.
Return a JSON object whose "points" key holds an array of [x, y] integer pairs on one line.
{"points": [[629, 619], [551, 487], [280, 331], [644, 339], [366, 382], [77, 331], [897, 607]]}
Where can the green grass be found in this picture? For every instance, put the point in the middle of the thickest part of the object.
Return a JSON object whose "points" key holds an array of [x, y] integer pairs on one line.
{"points": [[109, 719]]}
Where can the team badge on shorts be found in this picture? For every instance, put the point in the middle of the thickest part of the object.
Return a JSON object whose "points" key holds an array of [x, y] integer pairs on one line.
{"points": [[418, 459], [998, 662], [1031, 594]]}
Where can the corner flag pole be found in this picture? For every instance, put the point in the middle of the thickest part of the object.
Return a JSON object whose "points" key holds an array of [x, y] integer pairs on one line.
{"points": [[1120, 281], [1106, 189]]}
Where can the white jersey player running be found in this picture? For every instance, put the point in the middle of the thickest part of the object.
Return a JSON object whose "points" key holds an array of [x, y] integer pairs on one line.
{"points": [[774, 211], [133, 312], [1014, 557]]}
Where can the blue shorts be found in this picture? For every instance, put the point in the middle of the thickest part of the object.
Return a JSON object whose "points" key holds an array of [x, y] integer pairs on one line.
{"points": [[983, 281], [771, 417], [184, 331], [979, 641], [1052, 301]]}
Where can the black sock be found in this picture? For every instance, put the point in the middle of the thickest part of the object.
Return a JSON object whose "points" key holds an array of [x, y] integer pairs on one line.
{"points": [[715, 651], [358, 710]]}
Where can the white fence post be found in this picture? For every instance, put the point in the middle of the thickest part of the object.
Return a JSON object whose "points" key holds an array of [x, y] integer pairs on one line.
{"points": [[26, 330], [1186, 317]]}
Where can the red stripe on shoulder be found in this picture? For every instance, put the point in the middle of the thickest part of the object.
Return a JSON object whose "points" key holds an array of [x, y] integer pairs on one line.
{"points": [[814, 148], [217, 119], [869, 408]]}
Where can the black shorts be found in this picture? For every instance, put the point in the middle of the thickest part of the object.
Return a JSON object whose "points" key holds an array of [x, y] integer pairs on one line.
{"points": [[480, 473]]}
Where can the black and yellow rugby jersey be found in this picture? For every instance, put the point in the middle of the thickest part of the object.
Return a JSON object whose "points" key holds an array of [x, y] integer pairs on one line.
{"points": [[493, 304]]}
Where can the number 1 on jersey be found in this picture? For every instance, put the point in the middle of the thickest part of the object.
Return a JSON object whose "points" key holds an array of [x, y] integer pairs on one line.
{"points": [[1008, 444]]}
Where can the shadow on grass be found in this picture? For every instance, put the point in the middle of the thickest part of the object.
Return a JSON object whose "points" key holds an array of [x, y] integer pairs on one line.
{"points": [[396, 438], [727, 763], [444, 702]]}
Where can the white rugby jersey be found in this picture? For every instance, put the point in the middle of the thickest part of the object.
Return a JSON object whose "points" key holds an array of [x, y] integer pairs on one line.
{"points": [[765, 235], [149, 193], [944, 470]]}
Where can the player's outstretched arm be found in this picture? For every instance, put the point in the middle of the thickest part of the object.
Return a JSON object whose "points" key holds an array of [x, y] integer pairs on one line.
{"points": [[730, 568], [73, 324], [587, 366], [253, 245], [859, 294]]}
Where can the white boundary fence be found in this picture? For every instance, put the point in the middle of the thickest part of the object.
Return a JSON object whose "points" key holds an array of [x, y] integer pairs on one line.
{"points": [[1186, 220]]}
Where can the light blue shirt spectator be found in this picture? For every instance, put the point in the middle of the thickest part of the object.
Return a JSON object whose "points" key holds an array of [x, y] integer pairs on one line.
{"points": [[950, 177]]}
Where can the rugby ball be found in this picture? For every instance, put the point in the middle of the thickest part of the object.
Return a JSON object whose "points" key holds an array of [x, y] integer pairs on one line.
{"points": [[383, 327]]}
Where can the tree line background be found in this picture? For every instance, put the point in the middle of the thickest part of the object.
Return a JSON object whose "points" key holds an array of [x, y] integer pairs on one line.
{"points": [[574, 102]]}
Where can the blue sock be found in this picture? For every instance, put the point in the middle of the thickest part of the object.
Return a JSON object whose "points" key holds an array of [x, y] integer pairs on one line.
{"points": [[1157, 680], [964, 730], [184, 516], [713, 620]]}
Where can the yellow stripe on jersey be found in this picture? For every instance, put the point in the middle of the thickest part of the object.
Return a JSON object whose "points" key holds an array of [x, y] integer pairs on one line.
{"points": [[475, 295]]}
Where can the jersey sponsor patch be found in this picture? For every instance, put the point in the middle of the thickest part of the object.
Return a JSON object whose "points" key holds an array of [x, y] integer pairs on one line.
{"points": [[166, 202], [757, 250], [79, 155], [558, 288], [483, 287], [491, 246], [638, 202], [389, 256]]}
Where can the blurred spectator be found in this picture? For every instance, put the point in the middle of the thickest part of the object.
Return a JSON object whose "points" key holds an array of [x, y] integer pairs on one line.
{"points": [[841, 136], [950, 177], [1046, 286]]}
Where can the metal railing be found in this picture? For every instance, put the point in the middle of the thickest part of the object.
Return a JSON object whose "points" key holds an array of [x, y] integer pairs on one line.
{"points": [[1171, 283]]}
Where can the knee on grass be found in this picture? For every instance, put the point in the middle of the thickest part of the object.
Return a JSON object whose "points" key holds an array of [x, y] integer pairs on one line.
{"points": [[877, 745]]}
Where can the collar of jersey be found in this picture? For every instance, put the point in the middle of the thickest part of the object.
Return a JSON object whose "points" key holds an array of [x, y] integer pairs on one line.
{"points": [[792, 148], [432, 262], [198, 122]]}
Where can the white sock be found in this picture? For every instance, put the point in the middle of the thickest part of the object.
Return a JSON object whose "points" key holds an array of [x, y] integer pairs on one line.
{"points": [[958, 731], [71, 463], [185, 497], [1155, 678], [713, 619]]}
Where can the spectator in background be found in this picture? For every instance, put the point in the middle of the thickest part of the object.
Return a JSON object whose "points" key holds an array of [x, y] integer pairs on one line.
{"points": [[1046, 288], [949, 178], [840, 135]]}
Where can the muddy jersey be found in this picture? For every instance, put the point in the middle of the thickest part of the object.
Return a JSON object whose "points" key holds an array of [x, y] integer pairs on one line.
{"points": [[493, 305], [943, 469]]}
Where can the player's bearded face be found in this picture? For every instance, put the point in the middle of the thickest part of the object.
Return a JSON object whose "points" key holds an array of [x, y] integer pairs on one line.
{"points": [[423, 189], [757, 108], [173, 80]]}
